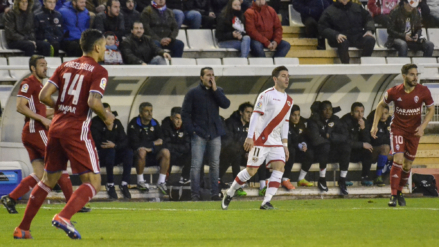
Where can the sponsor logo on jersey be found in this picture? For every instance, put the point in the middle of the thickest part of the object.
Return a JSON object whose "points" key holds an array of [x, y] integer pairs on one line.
{"points": [[67, 108], [24, 88], [259, 105], [103, 83], [408, 112], [300, 131], [180, 134], [399, 99], [331, 124], [416, 99]]}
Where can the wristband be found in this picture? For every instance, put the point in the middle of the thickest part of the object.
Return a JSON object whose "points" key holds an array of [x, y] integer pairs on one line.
{"points": [[285, 144]]}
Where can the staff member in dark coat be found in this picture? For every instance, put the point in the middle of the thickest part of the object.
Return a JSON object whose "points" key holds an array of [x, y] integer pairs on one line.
{"points": [[48, 25]]}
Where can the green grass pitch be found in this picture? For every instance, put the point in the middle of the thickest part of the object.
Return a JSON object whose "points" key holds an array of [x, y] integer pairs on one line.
{"points": [[305, 223]]}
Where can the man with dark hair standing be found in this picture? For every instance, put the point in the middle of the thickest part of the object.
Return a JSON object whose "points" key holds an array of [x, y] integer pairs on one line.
{"points": [[111, 20], [76, 19], [146, 139], [359, 138], [407, 127], [267, 138], [69, 135], [203, 123], [130, 15], [112, 144], [48, 25]]}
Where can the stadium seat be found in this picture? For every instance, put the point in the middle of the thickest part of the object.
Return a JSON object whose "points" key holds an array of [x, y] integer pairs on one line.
{"points": [[182, 36], [66, 59], [209, 61], [427, 72], [183, 61], [17, 74], [4, 73], [295, 19], [215, 41], [286, 61], [53, 61], [381, 35], [373, 60], [235, 61], [433, 36], [398, 60], [260, 61], [4, 44], [201, 39]]}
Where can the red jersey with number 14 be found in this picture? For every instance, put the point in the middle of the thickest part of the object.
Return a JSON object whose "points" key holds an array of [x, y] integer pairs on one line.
{"points": [[75, 80], [408, 106]]}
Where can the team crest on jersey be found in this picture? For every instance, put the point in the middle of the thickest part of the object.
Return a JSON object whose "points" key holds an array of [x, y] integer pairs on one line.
{"points": [[300, 131], [180, 134], [331, 124], [55, 20], [259, 105], [388, 128], [289, 103], [416, 99], [397, 147], [103, 83], [246, 129], [24, 88], [255, 159], [152, 128]]}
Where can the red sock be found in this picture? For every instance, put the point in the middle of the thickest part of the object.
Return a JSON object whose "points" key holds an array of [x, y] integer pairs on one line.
{"points": [[66, 185], [404, 179], [395, 177], [36, 199], [79, 198], [25, 185]]}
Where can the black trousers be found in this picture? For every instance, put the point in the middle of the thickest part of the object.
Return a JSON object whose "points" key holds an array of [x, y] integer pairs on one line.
{"points": [[365, 43], [334, 152], [28, 47], [234, 157], [72, 48], [184, 161], [365, 157], [296, 155], [311, 27]]}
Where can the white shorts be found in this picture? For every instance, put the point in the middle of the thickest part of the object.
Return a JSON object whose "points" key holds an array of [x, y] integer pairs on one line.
{"points": [[258, 155]]}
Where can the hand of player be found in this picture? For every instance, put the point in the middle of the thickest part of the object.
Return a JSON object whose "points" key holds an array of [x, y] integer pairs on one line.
{"points": [[46, 122], [367, 146], [248, 144], [109, 118], [158, 142], [341, 38], [362, 124], [108, 144], [373, 132], [419, 131], [287, 154]]}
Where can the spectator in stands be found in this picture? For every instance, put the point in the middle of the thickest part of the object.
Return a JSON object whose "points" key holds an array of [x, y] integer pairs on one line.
{"points": [[111, 20], [142, 4], [160, 24], [232, 151], [217, 6], [76, 19], [178, 142], [185, 14], [112, 53], [230, 30], [112, 145], [96, 6], [380, 10], [405, 30], [130, 15], [360, 140], [433, 5], [58, 4], [203, 123], [208, 17], [300, 149], [140, 49], [48, 25], [345, 24], [264, 28], [146, 139], [310, 12], [330, 137], [19, 30], [381, 145]]}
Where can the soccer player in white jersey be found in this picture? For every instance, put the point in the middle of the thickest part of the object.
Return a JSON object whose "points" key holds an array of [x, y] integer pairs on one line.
{"points": [[267, 137]]}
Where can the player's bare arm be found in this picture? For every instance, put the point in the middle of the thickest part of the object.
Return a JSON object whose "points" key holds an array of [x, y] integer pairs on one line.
{"points": [[23, 109], [95, 103], [378, 113], [50, 112], [287, 153], [428, 117], [46, 95]]}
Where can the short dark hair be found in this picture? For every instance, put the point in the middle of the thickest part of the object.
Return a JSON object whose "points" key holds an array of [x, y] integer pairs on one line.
{"points": [[110, 2], [405, 69], [33, 61], [202, 70], [143, 105], [356, 104], [175, 110], [109, 33], [89, 38], [136, 22], [277, 71], [106, 105], [323, 104], [295, 108], [244, 105]]}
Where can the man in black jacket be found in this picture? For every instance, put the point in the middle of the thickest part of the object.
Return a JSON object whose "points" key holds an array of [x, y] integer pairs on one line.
{"points": [[346, 24], [201, 120], [178, 142], [233, 153], [130, 15], [299, 148], [48, 25], [146, 139], [185, 13], [140, 49], [111, 20], [359, 140], [330, 137], [112, 145]]}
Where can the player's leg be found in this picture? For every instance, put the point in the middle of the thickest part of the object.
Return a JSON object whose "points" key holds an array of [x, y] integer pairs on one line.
{"points": [[125, 156], [286, 183], [323, 158], [65, 184], [164, 157], [107, 159], [398, 145], [343, 152], [198, 147], [274, 181], [141, 154], [380, 155], [213, 155], [411, 147], [306, 159], [366, 163], [262, 175]]}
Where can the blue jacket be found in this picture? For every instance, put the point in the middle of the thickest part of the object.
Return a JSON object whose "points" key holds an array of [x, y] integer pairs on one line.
{"points": [[74, 23], [48, 26], [311, 8], [200, 112]]}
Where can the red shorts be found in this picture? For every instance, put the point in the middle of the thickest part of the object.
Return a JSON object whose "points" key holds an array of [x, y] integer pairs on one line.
{"points": [[401, 142], [82, 155], [35, 144]]}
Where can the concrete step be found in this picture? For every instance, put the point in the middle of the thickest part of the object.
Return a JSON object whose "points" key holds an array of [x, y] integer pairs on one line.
{"points": [[429, 139], [315, 60], [291, 29], [301, 41]]}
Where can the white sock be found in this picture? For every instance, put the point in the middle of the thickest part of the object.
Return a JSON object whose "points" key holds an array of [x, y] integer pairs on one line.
{"points": [[302, 174], [262, 184], [323, 173], [343, 174], [124, 183], [140, 178], [285, 179], [243, 176], [162, 178], [273, 185], [110, 184]]}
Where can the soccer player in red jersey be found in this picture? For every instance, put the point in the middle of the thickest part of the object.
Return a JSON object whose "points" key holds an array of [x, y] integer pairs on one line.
{"points": [[406, 127], [34, 135], [81, 84]]}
